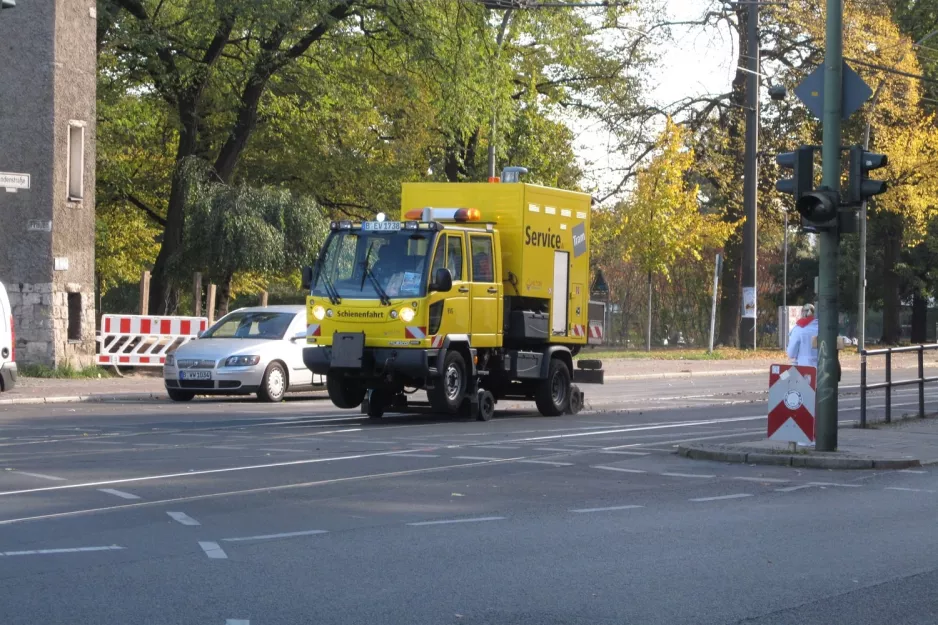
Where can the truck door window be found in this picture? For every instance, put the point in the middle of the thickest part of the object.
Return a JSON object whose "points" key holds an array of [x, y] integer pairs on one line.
{"points": [[482, 258], [439, 257], [454, 256]]}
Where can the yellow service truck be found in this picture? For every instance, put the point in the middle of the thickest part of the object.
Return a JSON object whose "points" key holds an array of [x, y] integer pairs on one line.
{"points": [[479, 293]]}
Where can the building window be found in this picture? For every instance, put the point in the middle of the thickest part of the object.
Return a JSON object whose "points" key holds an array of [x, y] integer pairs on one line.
{"points": [[74, 316], [76, 161]]}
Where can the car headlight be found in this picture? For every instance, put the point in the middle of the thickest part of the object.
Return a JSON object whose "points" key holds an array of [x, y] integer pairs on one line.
{"points": [[319, 312], [170, 361], [242, 361], [407, 315]]}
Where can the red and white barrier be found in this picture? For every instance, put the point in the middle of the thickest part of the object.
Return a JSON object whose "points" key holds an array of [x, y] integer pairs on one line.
{"points": [[144, 341]]}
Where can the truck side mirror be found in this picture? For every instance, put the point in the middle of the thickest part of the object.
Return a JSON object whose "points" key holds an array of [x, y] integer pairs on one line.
{"points": [[307, 278], [442, 280]]}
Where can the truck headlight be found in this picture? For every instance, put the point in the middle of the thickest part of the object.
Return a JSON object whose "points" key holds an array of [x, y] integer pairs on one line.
{"points": [[319, 312], [407, 315], [242, 361]]}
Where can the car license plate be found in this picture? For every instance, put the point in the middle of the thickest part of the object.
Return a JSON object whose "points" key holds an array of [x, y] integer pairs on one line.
{"points": [[381, 226], [195, 375]]}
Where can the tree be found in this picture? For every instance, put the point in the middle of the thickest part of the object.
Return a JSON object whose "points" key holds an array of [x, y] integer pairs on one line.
{"points": [[661, 225], [232, 230]]}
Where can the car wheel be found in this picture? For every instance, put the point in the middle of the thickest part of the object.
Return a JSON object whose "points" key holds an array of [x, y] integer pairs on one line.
{"points": [[449, 391], [177, 395], [274, 384], [553, 394], [343, 392]]}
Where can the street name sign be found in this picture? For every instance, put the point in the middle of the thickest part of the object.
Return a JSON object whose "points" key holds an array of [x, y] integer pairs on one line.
{"points": [[792, 392], [14, 182]]}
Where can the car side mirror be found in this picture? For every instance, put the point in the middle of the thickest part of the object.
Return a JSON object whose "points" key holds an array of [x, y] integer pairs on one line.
{"points": [[442, 280], [299, 336], [307, 278]]}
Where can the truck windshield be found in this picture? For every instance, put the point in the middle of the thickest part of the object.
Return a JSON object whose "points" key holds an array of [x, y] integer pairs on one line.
{"points": [[360, 265]]}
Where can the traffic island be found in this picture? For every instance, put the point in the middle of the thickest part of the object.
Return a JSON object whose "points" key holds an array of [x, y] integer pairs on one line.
{"points": [[910, 443]]}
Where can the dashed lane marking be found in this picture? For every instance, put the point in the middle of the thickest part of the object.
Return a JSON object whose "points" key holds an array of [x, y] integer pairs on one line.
{"points": [[767, 480], [41, 476], [237, 621], [213, 550], [483, 458], [689, 475], [416, 456], [626, 453], [912, 471], [621, 469], [565, 451], [495, 447], [721, 497], [118, 493], [548, 462], [44, 552], [607, 509], [274, 536], [182, 517], [909, 490], [450, 521]]}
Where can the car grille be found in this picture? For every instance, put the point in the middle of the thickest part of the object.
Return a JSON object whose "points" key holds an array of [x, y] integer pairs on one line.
{"points": [[189, 363], [197, 384], [229, 384]]}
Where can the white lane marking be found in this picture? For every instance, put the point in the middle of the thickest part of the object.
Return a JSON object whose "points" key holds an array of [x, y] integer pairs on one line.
{"points": [[213, 550], [495, 446], [834, 484], [609, 509], [619, 469], [722, 497], [566, 451], [912, 471], [194, 434], [626, 453], [118, 493], [237, 621], [550, 462], [692, 475], [281, 450], [476, 458], [449, 521], [99, 442], [768, 480], [232, 448], [167, 476], [416, 456], [41, 476], [272, 536], [151, 444], [182, 517], [43, 552], [791, 489], [909, 490]]}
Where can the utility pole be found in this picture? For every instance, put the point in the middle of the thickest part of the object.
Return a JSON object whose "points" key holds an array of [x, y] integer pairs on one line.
{"points": [[748, 328], [828, 374]]}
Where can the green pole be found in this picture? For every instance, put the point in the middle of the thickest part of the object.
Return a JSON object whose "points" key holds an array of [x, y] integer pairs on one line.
{"points": [[828, 365]]}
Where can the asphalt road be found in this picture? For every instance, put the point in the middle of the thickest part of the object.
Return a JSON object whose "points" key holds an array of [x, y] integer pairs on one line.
{"points": [[239, 513]]}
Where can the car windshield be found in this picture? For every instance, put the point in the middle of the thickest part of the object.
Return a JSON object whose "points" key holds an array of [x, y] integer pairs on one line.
{"points": [[251, 325], [362, 265]]}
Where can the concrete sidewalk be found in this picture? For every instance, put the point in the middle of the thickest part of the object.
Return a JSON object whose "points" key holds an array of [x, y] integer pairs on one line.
{"points": [[901, 445], [137, 387]]}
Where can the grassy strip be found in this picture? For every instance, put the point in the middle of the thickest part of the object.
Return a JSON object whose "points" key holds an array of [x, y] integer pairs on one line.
{"points": [[65, 372]]}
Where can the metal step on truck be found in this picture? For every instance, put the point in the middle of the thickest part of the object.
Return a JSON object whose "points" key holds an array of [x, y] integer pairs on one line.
{"points": [[480, 292]]}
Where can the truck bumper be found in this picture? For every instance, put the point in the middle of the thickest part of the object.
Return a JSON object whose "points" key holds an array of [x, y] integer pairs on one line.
{"points": [[8, 376], [376, 362]]}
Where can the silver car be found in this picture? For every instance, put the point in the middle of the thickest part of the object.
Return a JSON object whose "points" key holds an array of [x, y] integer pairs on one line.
{"points": [[251, 350]]}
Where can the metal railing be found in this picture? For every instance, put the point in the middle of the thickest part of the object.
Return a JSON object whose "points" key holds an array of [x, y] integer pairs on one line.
{"points": [[889, 383]]}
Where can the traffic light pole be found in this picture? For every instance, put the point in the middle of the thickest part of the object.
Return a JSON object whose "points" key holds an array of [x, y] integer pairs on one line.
{"points": [[828, 365], [748, 325]]}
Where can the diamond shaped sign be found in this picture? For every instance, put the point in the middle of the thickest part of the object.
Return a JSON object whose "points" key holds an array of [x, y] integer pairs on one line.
{"points": [[855, 92]]}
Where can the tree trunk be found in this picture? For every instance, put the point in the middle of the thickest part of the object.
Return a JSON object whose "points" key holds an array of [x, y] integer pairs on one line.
{"points": [[892, 248], [224, 295], [729, 313], [648, 339], [919, 319]]}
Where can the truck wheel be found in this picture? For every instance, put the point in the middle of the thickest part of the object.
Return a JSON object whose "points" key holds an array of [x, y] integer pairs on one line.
{"points": [[486, 406], [576, 400], [450, 390], [177, 395], [343, 392], [553, 394], [376, 405], [274, 384]]}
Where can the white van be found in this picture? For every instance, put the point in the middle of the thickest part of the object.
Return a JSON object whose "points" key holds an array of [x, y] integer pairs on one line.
{"points": [[7, 343]]}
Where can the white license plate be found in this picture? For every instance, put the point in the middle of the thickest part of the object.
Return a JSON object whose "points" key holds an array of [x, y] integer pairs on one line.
{"points": [[195, 375], [381, 226]]}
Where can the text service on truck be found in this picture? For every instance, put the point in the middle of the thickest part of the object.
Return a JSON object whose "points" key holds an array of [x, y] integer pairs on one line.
{"points": [[481, 293]]}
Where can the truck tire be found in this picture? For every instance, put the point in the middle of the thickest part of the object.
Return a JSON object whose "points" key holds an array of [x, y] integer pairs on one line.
{"points": [[177, 395], [376, 405], [449, 391], [553, 393], [486, 406], [344, 393]]}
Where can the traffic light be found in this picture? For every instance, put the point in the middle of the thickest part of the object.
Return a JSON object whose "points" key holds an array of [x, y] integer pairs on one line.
{"points": [[801, 163], [819, 209], [860, 187], [7, 4]]}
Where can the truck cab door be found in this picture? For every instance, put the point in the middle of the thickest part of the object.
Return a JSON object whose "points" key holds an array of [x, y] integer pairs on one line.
{"points": [[451, 308], [486, 291]]}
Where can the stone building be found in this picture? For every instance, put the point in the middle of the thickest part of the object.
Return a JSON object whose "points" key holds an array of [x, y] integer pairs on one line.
{"points": [[47, 130]]}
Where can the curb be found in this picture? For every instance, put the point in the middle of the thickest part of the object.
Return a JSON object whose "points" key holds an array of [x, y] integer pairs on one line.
{"points": [[77, 399], [795, 460], [683, 374]]}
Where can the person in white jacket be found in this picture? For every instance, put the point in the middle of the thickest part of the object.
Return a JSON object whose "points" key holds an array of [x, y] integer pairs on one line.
{"points": [[802, 342]]}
